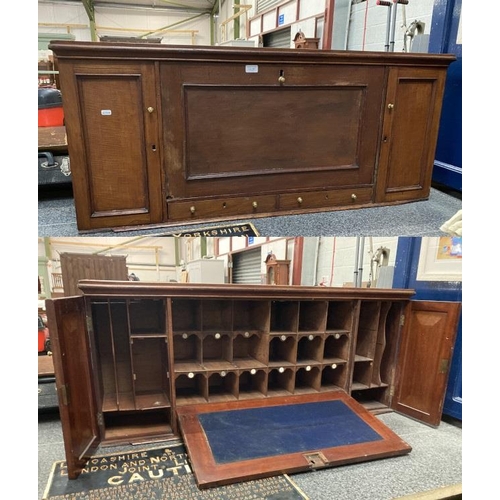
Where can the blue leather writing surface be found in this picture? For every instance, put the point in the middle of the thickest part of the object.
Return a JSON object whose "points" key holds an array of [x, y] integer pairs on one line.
{"points": [[248, 434]]}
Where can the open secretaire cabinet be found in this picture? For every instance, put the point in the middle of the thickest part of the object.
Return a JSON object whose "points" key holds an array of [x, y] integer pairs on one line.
{"points": [[161, 134], [135, 361]]}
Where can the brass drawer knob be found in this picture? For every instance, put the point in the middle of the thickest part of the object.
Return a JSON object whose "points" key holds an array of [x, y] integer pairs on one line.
{"points": [[254, 204], [150, 109], [353, 197], [192, 209], [390, 106], [281, 79], [299, 200]]}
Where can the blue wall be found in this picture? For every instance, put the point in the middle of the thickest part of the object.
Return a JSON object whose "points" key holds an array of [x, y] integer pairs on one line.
{"points": [[443, 40]]}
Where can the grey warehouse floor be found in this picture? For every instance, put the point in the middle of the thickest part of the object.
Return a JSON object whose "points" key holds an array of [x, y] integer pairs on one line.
{"points": [[435, 462], [56, 217]]}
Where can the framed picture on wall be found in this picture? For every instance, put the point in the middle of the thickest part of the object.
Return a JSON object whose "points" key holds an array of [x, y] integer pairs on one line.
{"points": [[440, 259]]}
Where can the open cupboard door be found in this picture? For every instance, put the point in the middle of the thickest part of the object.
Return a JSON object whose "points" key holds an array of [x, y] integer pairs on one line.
{"points": [[70, 345], [428, 338]]}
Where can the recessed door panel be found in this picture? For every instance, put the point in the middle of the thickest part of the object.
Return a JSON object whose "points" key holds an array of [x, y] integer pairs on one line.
{"points": [[411, 119], [113, 143], [282, 127], [424, 359]]}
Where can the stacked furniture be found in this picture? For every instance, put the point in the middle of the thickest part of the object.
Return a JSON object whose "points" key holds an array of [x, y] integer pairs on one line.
{"points": [[162, 134]]}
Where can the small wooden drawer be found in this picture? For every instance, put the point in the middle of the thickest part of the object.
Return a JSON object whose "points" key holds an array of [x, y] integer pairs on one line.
{"points": [[221, 207], [324, 199]]}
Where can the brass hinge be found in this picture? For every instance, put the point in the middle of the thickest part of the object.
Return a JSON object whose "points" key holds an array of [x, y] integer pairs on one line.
{"points": [[63, 391], [391, 391], [100, 419], [402, 320], [443, 365]]}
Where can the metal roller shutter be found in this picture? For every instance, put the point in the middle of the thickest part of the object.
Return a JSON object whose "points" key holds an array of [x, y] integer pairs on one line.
{"points": [[279, 39], [247, 267], [263, 5]]}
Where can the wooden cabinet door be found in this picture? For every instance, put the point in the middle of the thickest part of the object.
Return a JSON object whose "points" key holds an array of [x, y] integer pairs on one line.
{"points": [[111, 113], [233, 129], [424, 358], [72, 367], [409, 136]]}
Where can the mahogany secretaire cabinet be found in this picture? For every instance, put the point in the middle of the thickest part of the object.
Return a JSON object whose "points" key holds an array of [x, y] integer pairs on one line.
{"points": [[129, 355], [162, 134]]}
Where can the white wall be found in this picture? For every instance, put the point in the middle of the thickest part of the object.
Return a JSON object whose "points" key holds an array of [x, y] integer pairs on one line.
{"points": [[336, 261], [122, 19], [367, 27], [151, 259], [367, 30], [327, 260]]}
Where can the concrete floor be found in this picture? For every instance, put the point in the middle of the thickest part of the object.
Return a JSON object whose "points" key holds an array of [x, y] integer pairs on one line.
{"points": [[56, 217], [434, 462]]}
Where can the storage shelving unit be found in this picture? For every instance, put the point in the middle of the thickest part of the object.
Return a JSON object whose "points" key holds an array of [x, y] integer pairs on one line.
{"points": [[129, 354]]}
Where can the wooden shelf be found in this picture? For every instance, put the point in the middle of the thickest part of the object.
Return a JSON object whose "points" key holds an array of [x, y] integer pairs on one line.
{"points": [[152, 400], [247, 363], [362, 359], [148, 335], [218, 365], [187, 367]]}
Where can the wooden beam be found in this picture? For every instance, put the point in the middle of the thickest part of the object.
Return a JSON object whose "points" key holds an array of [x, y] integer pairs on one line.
{"points": [[328, 28]]}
